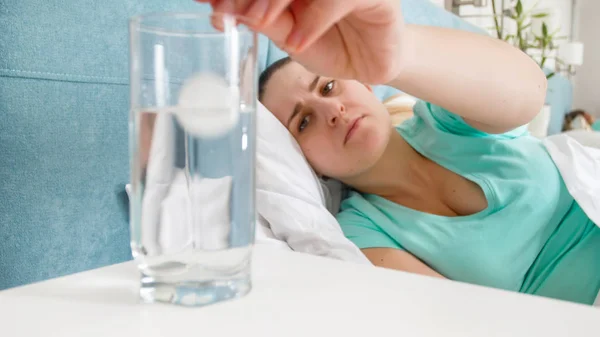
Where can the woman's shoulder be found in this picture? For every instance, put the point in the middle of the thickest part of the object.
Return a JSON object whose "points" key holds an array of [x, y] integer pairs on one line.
{"points": [[359, 207], [442, 121], [353, 200], [364, 224], [355, 205]]}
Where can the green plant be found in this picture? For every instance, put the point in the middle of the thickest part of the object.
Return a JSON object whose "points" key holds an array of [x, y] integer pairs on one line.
{"points": [[523, 38]]}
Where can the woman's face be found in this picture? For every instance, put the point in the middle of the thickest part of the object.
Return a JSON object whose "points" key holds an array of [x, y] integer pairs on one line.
{"points": [[340, 125]]}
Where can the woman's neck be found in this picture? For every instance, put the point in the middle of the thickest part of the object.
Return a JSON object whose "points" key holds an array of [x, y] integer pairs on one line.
{"points": [[399, 171]]}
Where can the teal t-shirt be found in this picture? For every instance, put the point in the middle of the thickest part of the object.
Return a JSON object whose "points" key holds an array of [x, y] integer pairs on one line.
{"points": [[596, 125], [533, 237]]}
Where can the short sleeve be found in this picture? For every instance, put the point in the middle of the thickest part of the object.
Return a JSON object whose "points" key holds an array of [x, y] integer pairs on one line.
{"points": [[363, 232], [446, 121]]}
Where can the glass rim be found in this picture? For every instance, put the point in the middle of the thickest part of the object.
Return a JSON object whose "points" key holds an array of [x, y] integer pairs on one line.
{"points": [[137, 23]]}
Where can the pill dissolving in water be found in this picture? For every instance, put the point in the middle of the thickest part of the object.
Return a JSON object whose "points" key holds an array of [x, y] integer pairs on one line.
{"points": [[208, 106]]}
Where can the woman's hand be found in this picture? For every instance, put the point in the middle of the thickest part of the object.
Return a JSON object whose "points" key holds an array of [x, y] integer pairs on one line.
{"points": [[352, 39]]}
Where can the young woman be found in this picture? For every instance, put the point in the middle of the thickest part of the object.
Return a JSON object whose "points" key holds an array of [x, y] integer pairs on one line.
{"points": [[459, 190]]}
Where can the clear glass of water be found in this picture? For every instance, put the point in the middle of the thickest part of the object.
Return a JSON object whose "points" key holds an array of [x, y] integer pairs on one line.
{"points": [[192, 151]]}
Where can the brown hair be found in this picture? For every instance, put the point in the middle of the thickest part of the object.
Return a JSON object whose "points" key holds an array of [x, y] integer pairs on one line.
{"points": [[265, 76]]}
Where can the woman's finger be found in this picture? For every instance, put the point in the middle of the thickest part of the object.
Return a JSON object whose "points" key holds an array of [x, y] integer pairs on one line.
{"points": [[265, 13], [279, 28], [257, 12], [313, 19], [223, 6]]}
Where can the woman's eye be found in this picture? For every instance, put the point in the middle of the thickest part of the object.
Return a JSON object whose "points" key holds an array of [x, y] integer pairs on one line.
{"points": [[328, 87], [304, 123]]}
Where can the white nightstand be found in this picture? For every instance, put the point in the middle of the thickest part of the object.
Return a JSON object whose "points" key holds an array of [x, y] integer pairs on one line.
{"points": [[294, 295]]}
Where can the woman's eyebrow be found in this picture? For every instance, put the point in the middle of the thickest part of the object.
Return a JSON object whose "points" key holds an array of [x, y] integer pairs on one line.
{"points": [[314, 82], [296, 111], [298, 106]]}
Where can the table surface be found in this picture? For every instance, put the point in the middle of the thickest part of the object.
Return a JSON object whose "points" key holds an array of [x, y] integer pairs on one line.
{"points": [[293, 295]]}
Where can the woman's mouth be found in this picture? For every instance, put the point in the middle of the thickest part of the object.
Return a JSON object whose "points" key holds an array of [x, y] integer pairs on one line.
{"points": [[353, 126]]}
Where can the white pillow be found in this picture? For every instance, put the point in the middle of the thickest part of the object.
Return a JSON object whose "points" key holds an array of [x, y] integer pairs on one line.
{"points": [[538, 127], [290, 199]]}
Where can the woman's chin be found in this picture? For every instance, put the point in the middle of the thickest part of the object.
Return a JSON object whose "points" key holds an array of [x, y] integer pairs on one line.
{"points": [[370, 140]]}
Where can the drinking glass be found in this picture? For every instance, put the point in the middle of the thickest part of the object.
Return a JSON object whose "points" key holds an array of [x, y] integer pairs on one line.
{"points": [[192, 154]]}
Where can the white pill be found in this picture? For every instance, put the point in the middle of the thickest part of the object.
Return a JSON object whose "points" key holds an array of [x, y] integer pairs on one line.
{"points": [[208, 106]]}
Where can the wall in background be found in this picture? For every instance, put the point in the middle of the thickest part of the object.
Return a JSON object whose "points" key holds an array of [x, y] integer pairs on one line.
{"points": [[582, 22], [561, 13], [438, 2], [587, 80]]}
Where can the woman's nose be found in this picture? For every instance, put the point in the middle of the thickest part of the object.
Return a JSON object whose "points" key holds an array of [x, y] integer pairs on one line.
{"points": [[333, 112]]}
